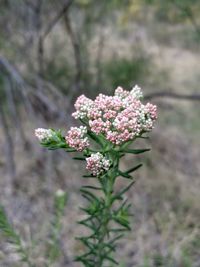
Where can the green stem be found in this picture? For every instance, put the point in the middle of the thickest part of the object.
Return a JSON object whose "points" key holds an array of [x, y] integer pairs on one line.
{"points": [[104, 227], [106, 213]]}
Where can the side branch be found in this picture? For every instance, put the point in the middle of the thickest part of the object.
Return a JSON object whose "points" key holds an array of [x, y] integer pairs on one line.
{"points": [[56, 19], [47, 30], [193, 97]]}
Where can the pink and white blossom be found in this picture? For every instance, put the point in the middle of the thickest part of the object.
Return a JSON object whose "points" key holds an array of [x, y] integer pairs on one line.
{"points": [[119, 118], [76, 138], [43, 134], [97, 163]]}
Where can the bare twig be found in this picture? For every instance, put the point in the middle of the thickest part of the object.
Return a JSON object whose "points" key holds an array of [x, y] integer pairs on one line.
{"points": [[9, 92], [99, 59], [193, 97], [9, 149], [58, 16], [47, 30], [11, 71], [77, 51]]}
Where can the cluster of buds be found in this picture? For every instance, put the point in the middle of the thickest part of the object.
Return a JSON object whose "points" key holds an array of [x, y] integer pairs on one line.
{"points": [[76, 138], [119, 118], [97, 163], [44, 134]]}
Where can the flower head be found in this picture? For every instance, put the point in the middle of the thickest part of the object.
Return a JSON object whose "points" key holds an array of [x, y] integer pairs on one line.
{"points": [[44, 134], [119, 118], [75, 138], [97, 163], [82, 106]]}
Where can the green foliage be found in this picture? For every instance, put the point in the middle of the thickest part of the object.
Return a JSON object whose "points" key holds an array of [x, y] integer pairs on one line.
{"points": [[56, 141], [175, 10], [53, 249], [13, 238], [107, 212]]}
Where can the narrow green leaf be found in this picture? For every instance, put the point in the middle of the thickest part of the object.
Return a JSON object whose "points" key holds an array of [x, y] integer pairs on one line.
{"points": [[117, 230], [79, 158], [89, 194], [112, 241], [94, 137], [88, 176], [136, 151], [110, 259], [91, 227], [118, 195], [134, 168], [91, 187], [124, 174], [123, 222], [144, 137]]}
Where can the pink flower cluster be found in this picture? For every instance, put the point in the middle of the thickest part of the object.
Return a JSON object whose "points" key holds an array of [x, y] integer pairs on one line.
{"points": [[43, 134], [119, 118], [76, 139], [97, 163]]}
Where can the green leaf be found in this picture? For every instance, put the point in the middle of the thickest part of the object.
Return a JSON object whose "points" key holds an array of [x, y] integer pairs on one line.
{"points": [[91, 227], [136, 151], [108, 258], [89, 194], [91, 187], [88, 176], [86, 242], [143, 137], [123, 222], [118, 195], [79, 158], [134, 168], [124, 174], [112, 241], [71, 150], [12, 237], [117, 230], [94, 137]]}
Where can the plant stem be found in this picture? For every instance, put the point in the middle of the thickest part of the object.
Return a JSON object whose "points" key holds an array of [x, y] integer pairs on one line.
{"points": [[104, 227], [106, 213]]}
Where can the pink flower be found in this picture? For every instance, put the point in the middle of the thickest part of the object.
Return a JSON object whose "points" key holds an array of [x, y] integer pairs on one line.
{"points": [[75, 138], [97, 163], [43, 134], [82, 106], [119, 118], [152, 110]]}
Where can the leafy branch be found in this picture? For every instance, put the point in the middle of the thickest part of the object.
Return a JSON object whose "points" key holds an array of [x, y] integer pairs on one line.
{"points": [[13, 238]]}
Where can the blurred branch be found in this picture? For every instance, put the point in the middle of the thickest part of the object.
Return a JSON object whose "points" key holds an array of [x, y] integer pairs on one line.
{"points": [[46, 31], [10, 70], [32, 98], [52, 23], [77, 51], [9, 149], [99, 59], [193, 97], [12, 106]]}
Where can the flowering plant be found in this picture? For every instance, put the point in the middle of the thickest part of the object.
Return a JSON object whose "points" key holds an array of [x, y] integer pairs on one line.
{"points": [[109, 125]]}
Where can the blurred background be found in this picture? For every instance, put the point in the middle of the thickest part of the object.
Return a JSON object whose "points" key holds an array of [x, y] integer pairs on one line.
{"points": [[53, 51]]}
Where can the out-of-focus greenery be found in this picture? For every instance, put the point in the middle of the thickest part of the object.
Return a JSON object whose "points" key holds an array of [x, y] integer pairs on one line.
{"points": [[126, 72]]}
